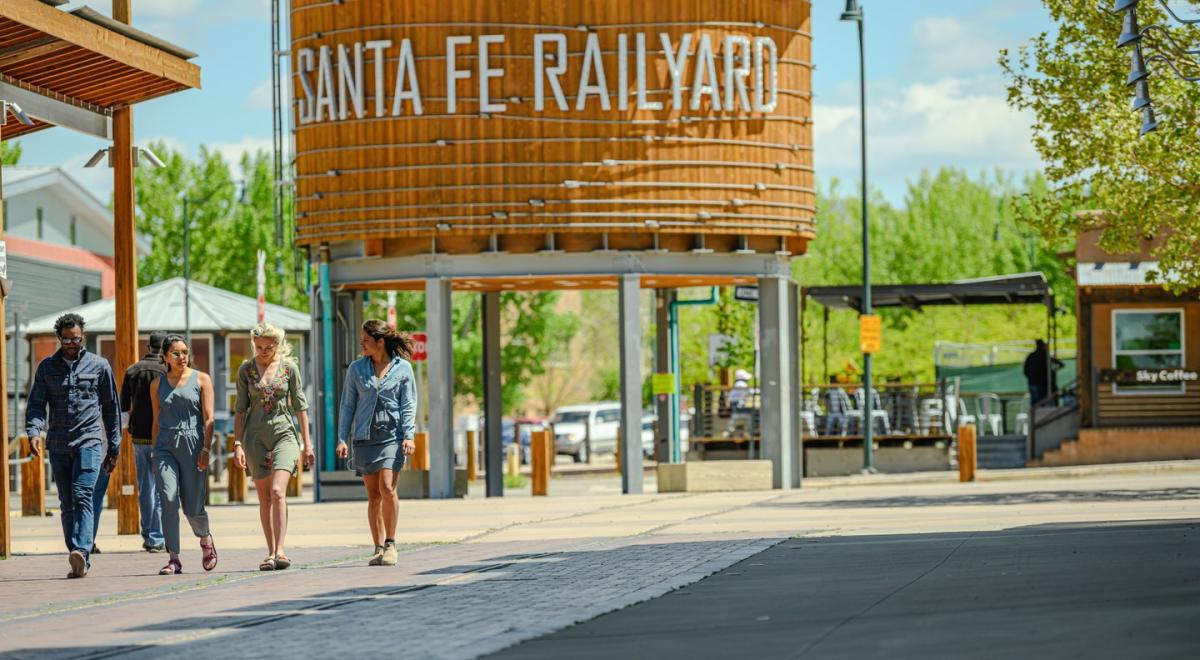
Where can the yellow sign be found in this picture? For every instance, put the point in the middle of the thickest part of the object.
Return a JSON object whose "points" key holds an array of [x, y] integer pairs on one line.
{"points": [[870, 333], [663, 384]]}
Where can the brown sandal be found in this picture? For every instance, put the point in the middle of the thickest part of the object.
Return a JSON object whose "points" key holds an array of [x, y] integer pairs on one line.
{"points": [[267, 564], [282, 562], [173, 567], [210, 553]]}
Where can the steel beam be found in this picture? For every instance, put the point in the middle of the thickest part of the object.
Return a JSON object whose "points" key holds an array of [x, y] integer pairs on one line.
{"points": [[776, 415], [629, 293], [439, 327], [79, 117], [493, 458]]}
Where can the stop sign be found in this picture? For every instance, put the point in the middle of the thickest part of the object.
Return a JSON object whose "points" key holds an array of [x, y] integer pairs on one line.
{"points": [[419, 353]]}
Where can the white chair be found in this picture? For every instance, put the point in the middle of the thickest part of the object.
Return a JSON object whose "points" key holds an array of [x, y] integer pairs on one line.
{"points": [[809, 418], [878, 412], [930, 416], [987, 411], [963, 417], [1022, 419]]}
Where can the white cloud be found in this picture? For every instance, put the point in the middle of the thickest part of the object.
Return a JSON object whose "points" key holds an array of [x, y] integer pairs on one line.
{"points": [[946, 45], [956, 122], [259, 97]]}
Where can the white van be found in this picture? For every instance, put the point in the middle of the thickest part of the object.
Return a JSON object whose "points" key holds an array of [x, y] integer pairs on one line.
{"points": [[570, 428]]}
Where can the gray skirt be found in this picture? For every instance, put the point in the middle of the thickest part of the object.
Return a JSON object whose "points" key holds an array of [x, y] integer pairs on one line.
{"points": [[371, 457]]}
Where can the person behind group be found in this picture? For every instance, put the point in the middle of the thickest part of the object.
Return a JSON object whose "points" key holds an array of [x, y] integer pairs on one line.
{"points": [[378, 417], [837, 404], [739, 394], [137, 409], [82, 432], [270, 407], [182, 402], [1040, 372]]}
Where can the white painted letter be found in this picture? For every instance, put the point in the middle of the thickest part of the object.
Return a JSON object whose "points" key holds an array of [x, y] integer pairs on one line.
{"points": [[453, 75], [706, 67], [350, 81], [676, 65], [326, 97], [622, 71], [406, 69], [768, 80], [304, 64], [540, 70], [486, 73], [642, 104], [593, 57], [377, 48], [735, 76]]}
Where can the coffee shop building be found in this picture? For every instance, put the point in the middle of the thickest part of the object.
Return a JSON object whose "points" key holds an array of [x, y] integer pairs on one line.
{"points": [[1139, 361]]}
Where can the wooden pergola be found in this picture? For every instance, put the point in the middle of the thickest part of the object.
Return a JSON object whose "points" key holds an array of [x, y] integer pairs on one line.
{"points": [[84, 71]]}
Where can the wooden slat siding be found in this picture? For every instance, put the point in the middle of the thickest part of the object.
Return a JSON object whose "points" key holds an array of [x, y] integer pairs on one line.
{"points": [[1115, 408], [361, 205]]}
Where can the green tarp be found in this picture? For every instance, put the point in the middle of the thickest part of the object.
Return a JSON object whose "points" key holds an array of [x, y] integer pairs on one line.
{"points": [[1000, 378]]}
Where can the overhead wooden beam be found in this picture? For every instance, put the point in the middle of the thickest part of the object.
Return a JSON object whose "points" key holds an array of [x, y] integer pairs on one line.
{"points": [[30, 50], [74, 30]]}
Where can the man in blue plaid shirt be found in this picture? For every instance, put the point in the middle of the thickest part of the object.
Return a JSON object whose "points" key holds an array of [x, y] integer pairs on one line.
{"points": [[82, 432]]}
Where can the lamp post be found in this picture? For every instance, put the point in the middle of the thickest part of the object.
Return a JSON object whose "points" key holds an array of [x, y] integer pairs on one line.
{"points": [[854, 13], [187, 253]]}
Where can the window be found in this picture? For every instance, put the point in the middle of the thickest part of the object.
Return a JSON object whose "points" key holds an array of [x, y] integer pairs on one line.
{"points": [[73, 233], [40, 231], [608, 416], [1147, 339]]}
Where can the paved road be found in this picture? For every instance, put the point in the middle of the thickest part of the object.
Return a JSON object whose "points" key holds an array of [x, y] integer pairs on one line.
{"points": [[1041, 591], [478, 576]]}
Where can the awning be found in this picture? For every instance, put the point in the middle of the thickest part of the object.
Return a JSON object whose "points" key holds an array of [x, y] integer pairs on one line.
{"points": [[1020, 289], [73, 69]]}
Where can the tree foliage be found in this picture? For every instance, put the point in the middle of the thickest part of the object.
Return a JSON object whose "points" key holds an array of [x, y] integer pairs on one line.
{"points": [[232, 217], [10, 152], [1074, 83]]}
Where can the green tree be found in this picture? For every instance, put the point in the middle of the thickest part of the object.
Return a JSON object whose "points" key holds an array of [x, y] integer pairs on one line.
{"points": [[232, 217], [10, 152], [1073, 81], [533, 336]]}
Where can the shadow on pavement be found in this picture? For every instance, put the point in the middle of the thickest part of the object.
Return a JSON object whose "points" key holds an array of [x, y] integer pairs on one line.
{"points": [[1047, 497], [1119, 590]]}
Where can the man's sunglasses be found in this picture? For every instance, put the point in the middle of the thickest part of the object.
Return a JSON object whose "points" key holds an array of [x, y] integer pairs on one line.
{"points": [[70, 341]]}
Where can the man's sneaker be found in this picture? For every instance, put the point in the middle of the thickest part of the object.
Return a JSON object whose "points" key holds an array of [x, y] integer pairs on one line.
{"points": [[377, 558], [389, 555], [161, 547], [78, 562]]}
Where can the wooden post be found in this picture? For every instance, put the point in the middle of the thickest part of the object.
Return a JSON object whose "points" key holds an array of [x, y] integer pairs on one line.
{"points": [[5, 523], [543, 457], [618, 451], [471, 436], [966, 453], [237, 478], [420, 457], [125, 270], [512, 459], [33, 482], [295, 484]]}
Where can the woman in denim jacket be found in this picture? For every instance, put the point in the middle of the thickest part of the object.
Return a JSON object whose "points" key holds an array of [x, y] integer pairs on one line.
{"points": [[378, 418]]}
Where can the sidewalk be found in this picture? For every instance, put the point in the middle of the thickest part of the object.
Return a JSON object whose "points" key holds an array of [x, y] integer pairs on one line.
{"points": [[479, 575]]}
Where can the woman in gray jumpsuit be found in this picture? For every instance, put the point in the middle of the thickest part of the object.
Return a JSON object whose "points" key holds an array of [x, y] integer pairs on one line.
{"points": [[182, 400]]}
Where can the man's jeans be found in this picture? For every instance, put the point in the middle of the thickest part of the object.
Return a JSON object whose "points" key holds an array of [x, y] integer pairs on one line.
{"points": [[151, 508], [98, 500], [75, 475]]}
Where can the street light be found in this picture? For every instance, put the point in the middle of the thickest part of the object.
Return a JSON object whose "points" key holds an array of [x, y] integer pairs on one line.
{"points": [[854, 13], [1131, 36], [187, 251]]}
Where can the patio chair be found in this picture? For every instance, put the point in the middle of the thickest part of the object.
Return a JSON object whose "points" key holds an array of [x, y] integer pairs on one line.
{"points": [[1022, 421], [930, 417], [962, 417], [987, 410], [878, 412]]}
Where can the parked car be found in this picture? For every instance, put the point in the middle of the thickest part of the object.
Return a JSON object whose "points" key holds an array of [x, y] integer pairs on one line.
{"points": [[648, 424], [570, 424]]}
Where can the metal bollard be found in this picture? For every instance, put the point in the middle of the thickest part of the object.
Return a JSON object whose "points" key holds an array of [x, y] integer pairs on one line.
{"points": [[420, 457], [543, 458], [512, 460]]}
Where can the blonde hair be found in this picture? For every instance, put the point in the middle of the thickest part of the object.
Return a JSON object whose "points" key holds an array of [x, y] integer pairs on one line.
{"points": [[264, 330]]}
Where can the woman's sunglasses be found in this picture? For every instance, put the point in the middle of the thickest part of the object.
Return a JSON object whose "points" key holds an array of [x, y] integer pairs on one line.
{"points": [[178, 354]]}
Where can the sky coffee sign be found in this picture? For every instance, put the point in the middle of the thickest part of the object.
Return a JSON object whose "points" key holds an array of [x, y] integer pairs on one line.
{"points": [[344, 81], [1149, 376]]}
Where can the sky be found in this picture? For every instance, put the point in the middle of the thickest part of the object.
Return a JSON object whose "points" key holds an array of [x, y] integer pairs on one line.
{"points": [[935, 94]]}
